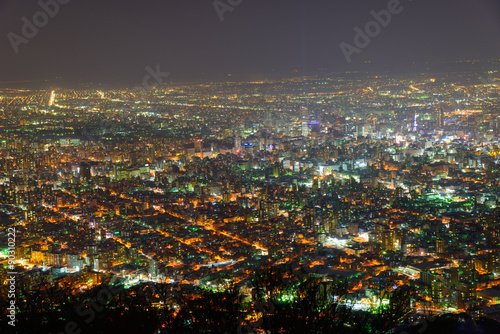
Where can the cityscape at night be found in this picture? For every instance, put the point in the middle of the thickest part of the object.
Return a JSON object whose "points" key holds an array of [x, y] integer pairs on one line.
{"points": [[239, 181]]}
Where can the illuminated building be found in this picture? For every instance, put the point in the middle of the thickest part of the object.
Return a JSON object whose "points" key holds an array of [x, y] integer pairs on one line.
{"points": [[440, 117], [440, 246], [437, 291], [237, 144], [154, 268], [388, 240], [85, 171]]}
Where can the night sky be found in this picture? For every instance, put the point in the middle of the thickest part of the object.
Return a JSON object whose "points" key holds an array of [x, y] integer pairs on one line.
{"points": [[114, 40]]}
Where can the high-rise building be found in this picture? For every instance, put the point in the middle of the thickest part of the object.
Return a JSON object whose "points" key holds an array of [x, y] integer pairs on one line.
{"points": [[178, 250], [198, 145], [133, 254], [468, 292], [272, 208], [154, 268], [55, 259], [226, 196], [353, 227], [437, 291], [85, 171], [388, 240], [74, 261], [491, 262], [305, 129], [320, 236], [330, 221], [237, 144], [450, 277], [440, 117], [440, 246]]}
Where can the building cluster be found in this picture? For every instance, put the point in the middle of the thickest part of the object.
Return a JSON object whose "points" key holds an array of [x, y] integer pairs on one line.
{"points": [[379, 181]]}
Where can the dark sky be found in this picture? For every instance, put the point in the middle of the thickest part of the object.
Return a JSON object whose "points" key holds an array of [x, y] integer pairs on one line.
{"points": [[114, 40]]}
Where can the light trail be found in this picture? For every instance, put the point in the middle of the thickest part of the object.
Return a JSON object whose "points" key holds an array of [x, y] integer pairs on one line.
{"points": [[211, 228], [52, 98]]}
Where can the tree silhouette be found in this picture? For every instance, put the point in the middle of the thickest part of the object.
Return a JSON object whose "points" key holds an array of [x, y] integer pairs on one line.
{"points": [[207, 312]]}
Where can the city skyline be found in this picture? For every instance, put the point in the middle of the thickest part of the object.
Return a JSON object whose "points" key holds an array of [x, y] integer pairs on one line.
{"points": [[239, 166]]}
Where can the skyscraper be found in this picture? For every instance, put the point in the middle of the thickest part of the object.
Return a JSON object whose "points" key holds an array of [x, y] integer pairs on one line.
{"points": [[85, 171], [437, 291], [440, 117], [237, 144], [440, 246], [305, 129], [154, 269]]}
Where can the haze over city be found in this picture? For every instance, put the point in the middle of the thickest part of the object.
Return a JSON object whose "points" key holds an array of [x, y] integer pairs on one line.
{"points": [[112, 41]]}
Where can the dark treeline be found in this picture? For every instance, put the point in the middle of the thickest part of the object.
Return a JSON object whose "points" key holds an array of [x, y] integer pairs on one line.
{"points": [[274, 301]]}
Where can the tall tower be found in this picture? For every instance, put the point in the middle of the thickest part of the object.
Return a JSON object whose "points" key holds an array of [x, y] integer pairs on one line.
{"points": [[305, 118], [440, 246], [237, 144], [440, 117], [198, 144], [305, 129], [154, 268], [85, 171]]}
